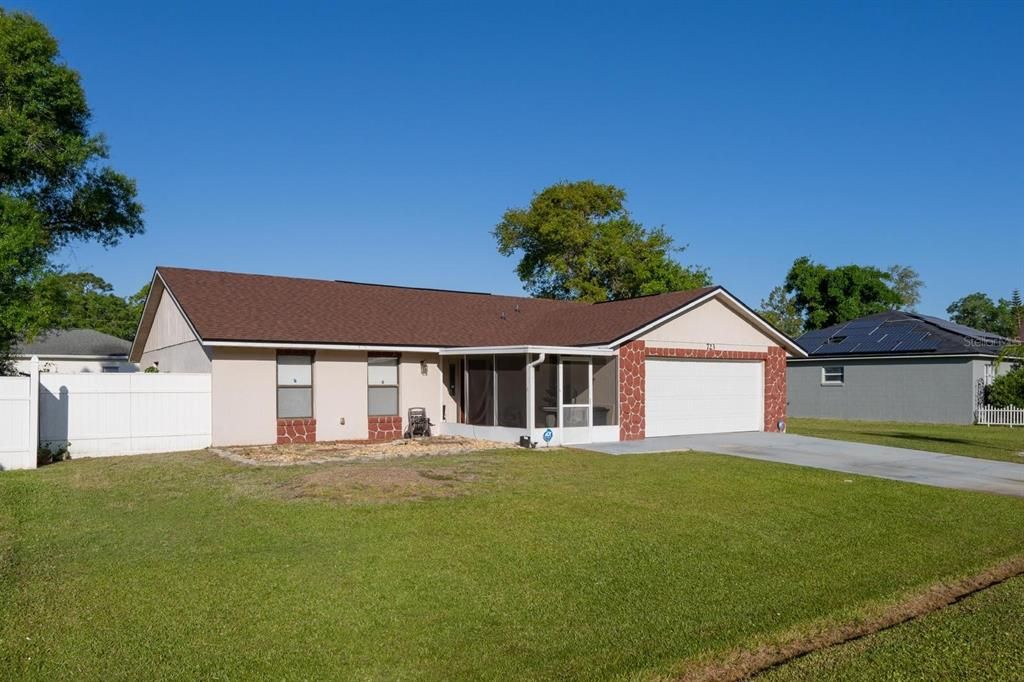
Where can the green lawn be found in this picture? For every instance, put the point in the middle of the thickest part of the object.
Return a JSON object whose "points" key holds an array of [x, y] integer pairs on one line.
{"points": [[510, 564], [976, 639], [987, 442]]}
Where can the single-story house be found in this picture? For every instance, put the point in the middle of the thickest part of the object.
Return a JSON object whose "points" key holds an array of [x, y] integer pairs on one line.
{"points": [[303, 360], [75, 351], [893, 366]]}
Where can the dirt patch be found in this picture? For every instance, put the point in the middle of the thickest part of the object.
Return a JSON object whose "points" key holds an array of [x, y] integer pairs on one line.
{"points": [[381, 483], [744, 664], [318, 453]]}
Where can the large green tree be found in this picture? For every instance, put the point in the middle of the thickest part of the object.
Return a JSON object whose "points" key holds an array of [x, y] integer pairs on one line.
{"points": [[978, 310], [54, 186], [824, 296], [578, 241], [82, 300]]}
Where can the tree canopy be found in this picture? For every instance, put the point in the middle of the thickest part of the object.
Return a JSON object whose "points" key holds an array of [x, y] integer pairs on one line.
{"points": [[825, 296], [81, 300], [907, 284], [978, 310], [54, 187], [578, 241], [780, 310]]}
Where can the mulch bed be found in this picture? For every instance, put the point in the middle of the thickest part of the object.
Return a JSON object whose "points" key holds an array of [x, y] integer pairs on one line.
{"points": [[349, 451]]}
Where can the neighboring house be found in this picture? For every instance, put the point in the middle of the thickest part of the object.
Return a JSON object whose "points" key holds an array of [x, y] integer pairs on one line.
{"points": [[893, 366], [302, 360], [75, 351]]}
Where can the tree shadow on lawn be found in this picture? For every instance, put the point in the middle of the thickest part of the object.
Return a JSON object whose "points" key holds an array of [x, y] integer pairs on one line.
{"points": [[905, 435]]}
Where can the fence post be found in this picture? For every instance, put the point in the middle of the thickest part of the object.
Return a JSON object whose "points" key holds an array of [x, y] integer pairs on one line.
{"points": [[33, 412]]}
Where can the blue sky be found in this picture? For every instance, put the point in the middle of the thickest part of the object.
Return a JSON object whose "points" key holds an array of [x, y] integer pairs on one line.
{"points": [[383, 141]]}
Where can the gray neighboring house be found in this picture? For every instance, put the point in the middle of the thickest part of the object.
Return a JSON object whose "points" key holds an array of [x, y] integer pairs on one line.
{"points": [[75, 351], [893, 366]]}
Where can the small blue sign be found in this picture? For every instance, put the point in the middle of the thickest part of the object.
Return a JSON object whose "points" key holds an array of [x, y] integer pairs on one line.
{"points": [[548, 435]]}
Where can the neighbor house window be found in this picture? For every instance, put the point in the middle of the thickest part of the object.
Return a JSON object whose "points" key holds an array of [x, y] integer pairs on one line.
{"points": [[832, 376], [109, 369], [294, 386], [382, 382]]}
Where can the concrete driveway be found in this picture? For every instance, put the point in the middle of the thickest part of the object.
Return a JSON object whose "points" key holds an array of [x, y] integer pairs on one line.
{"points": [[898, 464]]}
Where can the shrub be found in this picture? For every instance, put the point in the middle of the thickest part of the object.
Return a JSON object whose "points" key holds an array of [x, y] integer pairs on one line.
{"points": [[1007, 390], [52, 452]]}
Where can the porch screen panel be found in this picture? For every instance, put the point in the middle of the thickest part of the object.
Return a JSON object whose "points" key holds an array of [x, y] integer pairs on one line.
{"points": [[480, 403], [511, 372], [545, 402], [606, 391]]}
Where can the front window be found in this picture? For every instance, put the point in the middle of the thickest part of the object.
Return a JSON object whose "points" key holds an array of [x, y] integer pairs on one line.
{"points": [[294, 386], [832, 376], [382, 386]]}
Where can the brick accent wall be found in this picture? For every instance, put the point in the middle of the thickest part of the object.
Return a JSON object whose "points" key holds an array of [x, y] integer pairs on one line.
{"points": [[385, 428], [632, 380], [774, 388], [296, 431], [632, 376]]}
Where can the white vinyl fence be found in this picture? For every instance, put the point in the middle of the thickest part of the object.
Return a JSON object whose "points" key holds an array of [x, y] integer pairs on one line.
{"points": [[98, 415], [999, 416], [18, 438]]}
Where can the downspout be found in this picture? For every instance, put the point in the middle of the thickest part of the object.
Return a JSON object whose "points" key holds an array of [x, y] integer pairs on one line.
{"points": [[531, 387]]}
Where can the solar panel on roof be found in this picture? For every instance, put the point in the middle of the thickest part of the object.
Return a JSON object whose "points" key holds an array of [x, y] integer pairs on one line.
{"points": [[862, 324], [958, 328], [920, 345]]}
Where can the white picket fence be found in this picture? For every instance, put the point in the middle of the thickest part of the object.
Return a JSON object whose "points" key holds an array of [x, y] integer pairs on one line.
{"points": [[98, 415], [999, 416]]}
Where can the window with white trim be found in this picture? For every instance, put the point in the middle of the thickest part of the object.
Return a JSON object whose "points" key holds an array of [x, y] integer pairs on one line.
{"points": [[382, 386], [833, 376], [294, 386]]}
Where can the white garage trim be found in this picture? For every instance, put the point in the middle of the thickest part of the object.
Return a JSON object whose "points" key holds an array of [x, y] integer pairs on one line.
{"points": [[686, 396]]}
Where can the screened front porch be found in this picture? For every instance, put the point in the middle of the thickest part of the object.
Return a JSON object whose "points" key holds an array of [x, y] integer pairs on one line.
{"points": [[504, 393]]}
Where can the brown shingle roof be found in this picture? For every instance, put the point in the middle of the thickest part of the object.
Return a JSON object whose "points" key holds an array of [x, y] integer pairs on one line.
{"points": [[236, 307]]}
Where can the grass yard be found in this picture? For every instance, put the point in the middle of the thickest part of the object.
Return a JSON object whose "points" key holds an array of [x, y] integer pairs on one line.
{"points": [[976, 639], [504, 564], [987, 442]]}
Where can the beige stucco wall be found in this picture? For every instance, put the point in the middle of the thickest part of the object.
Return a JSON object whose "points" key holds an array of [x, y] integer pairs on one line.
{"points": [[244, 400], [711, 322], [418, 390], [245, 393], [171, 345], [339, 392]]}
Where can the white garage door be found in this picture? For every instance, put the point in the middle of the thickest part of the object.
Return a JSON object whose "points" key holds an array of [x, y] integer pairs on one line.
{"points": [[703, 396]]}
